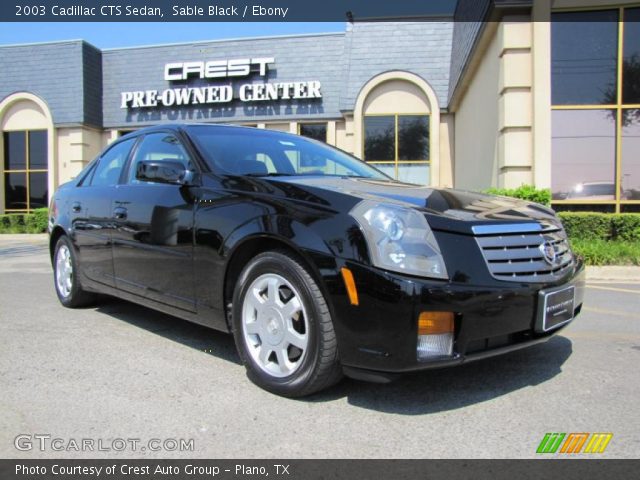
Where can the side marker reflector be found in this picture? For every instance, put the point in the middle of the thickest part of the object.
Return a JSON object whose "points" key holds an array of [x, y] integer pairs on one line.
{"points": [[350, 283]]}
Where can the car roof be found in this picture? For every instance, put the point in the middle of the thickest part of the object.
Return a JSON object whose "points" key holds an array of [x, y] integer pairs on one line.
{"points": [[178, 126]]}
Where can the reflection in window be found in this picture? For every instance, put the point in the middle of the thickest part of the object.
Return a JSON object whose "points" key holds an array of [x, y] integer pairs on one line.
{"points": [[413, 137], [398, 145], [387, 169], [413, 173], [584, 57], [15, 150], [631, 65], [583, 154], [38, 149], [631, 155], [240, 152], [379, 138], [37, 190], [158, 147], [630, 208], [25, 170], [15, 191], [317, 131], [586, 137], [585, 207], [107, 173]]}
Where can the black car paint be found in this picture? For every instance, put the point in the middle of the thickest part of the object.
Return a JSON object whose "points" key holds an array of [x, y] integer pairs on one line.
{"points": [[175, 248]]}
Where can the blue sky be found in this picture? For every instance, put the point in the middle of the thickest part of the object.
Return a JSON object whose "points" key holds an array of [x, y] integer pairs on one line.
{"points": [[110, 35]]}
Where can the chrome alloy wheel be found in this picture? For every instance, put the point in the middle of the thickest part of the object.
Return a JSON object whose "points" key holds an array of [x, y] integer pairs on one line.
{"points": [[274, 325], [64, 271]]}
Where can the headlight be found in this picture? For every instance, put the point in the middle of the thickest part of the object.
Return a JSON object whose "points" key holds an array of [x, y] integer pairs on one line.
{"points": [[400, 239]]}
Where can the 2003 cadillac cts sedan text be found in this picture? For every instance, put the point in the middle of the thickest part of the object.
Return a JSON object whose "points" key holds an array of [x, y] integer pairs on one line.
{"points": [[319, 264]]}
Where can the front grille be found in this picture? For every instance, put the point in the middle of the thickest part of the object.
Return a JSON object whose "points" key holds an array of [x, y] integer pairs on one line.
{"points": [[520, 257]]}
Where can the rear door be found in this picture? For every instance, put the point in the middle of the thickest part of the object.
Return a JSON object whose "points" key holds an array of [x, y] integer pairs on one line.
{"points": [[90, 211], [153, 236]]}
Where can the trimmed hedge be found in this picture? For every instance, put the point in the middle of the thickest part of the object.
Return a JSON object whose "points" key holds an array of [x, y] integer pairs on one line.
{"points": [[34, 222], [601, 226], [600, 238], [524, 192]]}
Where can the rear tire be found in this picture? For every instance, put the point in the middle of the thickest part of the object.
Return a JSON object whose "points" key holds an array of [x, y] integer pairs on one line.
{"points": [[65, 276], [283, 328]]}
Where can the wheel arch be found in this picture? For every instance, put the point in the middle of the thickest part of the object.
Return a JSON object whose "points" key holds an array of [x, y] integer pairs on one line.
{"points": [[256, 244], [55, 235]]}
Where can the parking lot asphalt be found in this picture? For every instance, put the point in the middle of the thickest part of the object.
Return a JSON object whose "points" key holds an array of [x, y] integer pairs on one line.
{"points": [[120, 371]]}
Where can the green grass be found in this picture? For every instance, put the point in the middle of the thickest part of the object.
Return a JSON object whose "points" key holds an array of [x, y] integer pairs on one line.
{"points": [[607, 252]]}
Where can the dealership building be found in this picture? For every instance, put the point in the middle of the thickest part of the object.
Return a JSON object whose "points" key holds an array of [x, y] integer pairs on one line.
{"points": [[544, 93]]}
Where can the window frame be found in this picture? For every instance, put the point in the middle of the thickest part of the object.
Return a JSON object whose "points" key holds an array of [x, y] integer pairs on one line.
{"points": [[27, 171], [397, 162], [618, 107]]}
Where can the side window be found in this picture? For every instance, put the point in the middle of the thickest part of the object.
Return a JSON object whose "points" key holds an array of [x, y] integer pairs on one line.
{"points": [[110, 164], [159, 147]]}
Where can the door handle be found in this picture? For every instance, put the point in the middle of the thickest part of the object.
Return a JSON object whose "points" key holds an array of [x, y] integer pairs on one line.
{"points": [[76, 207], [120, 213]]}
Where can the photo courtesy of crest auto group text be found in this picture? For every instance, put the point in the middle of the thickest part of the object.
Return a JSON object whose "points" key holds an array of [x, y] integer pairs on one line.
{"points": [[248, 244]]}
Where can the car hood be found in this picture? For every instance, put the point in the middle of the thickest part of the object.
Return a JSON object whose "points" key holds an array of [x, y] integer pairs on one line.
{"points": [[446, 209]]}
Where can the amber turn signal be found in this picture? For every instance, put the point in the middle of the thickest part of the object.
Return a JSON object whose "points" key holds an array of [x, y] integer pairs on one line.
{"points": [[435, 323], [350, 283]]}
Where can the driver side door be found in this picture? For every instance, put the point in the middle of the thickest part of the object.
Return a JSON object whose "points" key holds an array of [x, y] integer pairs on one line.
{"points": [[90, 212], [153, 235]]}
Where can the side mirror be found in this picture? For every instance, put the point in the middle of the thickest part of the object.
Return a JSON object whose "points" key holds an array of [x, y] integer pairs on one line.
{"points": [[164, 171]]}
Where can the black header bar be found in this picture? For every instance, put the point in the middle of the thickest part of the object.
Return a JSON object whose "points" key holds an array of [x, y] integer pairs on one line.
{"points": [[220, 10], [122, 469]]}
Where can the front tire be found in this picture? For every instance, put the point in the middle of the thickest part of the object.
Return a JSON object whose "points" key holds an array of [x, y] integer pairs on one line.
{"points": [[282, 327], [65, 276]]}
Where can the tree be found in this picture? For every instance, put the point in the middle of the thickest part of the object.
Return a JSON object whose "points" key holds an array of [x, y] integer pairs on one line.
{"points": [[630, 90]]}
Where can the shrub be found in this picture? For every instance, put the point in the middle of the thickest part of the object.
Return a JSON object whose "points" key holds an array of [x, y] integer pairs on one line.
{"points": [[34, 222], [524, 192], [587, 225], [626, 226], [4, 222], [37, 221], [16, 221], [601, 226]]}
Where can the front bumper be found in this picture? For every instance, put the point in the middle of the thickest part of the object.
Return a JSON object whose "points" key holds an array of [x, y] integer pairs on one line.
{"points": [[378, 338]]}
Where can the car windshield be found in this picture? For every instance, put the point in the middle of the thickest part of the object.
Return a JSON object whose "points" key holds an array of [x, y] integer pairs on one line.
{"points": [[245, 151]]}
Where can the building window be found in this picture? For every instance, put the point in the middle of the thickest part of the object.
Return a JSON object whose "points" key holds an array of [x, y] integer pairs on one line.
{"points": [[398, 145], [595, 78], [122, 133], [25, 170], [317, 131]]}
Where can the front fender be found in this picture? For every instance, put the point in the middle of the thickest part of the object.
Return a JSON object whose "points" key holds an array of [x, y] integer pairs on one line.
{"points": [[285, 228]]}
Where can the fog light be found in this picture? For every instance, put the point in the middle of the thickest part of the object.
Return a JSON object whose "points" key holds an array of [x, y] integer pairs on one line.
{"points": [[435, 335]]}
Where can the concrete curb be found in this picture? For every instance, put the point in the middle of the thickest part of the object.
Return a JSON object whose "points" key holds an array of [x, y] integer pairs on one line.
{"points": [[623, 274], [23, 237]]}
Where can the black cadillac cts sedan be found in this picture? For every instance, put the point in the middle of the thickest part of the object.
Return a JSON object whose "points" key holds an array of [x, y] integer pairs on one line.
{"points": [[317, 263]]}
